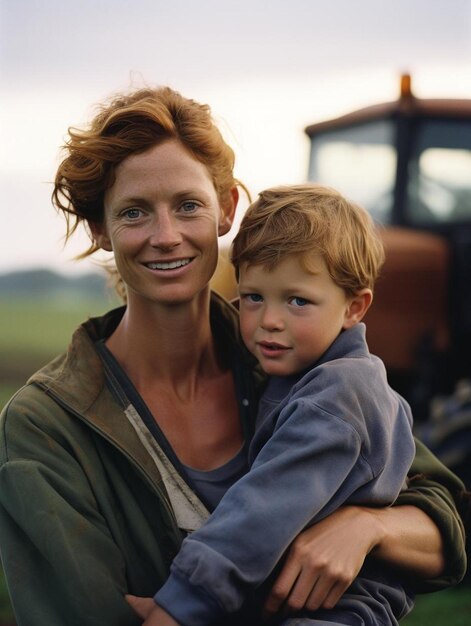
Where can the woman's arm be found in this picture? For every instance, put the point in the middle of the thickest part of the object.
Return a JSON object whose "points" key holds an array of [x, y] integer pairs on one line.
{"points": [[439, 494], [409, 541], [422, 535], [61, 561]]}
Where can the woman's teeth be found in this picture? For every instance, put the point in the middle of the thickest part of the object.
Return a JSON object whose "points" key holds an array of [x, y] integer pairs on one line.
{"points": [[171, 265]]}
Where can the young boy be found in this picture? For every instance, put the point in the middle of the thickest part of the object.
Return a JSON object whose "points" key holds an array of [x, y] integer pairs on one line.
{"points": [[329, 430]]}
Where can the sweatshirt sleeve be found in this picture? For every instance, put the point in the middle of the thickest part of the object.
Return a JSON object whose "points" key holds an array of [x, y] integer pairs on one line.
{"points": [[438, 492], [237, 548]]}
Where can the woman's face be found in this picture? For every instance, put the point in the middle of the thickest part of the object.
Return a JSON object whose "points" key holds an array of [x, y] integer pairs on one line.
{"points": [[162, 221]]}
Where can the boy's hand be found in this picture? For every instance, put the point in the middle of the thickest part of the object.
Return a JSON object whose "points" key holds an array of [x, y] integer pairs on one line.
{"points": [[142, 606], [151, 612]]}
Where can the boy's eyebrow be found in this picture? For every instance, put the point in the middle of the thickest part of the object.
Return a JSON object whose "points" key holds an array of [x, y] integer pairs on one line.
{"points": [[245, 286]]}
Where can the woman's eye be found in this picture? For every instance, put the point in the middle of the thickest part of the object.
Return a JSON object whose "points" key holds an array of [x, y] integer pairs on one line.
{"points": [[297, 301], [132, 213], [189, 206]]}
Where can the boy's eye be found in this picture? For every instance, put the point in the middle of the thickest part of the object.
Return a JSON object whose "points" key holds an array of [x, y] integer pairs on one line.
{"points": [[252, 297], [297, 301]]}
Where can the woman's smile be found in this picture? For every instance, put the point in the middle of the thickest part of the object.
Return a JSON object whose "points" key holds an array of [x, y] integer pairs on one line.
{"points": [[168, 265]]}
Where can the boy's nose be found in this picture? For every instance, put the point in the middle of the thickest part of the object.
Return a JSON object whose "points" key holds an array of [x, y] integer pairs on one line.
{"points": [[271, 320]]}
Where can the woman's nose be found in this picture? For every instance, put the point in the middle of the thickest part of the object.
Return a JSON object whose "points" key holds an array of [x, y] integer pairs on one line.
{"points": [[165, 233]]}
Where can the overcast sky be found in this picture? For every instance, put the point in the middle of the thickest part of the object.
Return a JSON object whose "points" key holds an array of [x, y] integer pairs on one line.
{"points": [[267, 68]]}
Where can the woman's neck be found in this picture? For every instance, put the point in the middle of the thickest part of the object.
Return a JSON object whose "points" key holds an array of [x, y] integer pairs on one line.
{"points": [[169, 344]]}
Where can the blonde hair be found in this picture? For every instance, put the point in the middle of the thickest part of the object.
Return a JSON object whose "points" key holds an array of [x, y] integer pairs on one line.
{"points": [[307, 219], [129, 124]]}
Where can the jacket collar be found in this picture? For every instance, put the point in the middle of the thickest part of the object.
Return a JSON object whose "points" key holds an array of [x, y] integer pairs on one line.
{"points": [[76, 379]]}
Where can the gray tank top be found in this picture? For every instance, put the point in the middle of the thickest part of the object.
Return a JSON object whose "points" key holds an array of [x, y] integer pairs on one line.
{"points": [[213, 484]]}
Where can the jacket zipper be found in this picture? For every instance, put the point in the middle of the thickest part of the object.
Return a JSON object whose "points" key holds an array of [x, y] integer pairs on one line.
{"points": [[149, 480]]}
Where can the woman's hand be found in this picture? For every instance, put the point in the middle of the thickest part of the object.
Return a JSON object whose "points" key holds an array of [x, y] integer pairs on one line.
{"points": [[153, 614], [324, 560]]}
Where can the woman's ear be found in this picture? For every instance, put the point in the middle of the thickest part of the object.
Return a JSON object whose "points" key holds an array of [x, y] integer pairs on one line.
{"points": [[357, 308], [228, 210], [100, 236]]}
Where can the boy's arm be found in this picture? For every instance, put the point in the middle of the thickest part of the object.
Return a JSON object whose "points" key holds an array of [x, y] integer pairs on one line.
{"points": [[147, 610], [296, 476]]}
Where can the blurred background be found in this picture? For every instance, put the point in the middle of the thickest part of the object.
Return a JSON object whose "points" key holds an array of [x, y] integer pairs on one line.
{"points": [[268, 69]]}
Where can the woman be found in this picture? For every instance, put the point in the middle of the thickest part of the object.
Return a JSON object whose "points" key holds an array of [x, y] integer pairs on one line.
{"points": [[115, 450]]}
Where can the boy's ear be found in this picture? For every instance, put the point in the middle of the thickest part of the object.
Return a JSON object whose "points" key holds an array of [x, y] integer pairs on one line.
{"points": [[100, 236], [228, 210], [359, 305]]}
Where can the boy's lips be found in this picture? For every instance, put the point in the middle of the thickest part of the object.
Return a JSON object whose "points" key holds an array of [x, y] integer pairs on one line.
{"points": [[272, 349]]}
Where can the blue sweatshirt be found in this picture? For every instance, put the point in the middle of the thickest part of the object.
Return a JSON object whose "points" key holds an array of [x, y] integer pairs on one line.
{"points": [[335, 434]]}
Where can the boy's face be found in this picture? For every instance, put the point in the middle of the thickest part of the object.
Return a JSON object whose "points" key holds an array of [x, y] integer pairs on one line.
{"points": [[289, 316]]}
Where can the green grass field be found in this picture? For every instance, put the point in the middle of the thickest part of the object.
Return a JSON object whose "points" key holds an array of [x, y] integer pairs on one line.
{"points": [[41, 327], [445, 608], [32, 332]]}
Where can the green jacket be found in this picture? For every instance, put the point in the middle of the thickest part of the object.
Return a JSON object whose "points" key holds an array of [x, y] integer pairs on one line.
{"points": [[84, 513]]}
